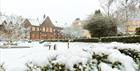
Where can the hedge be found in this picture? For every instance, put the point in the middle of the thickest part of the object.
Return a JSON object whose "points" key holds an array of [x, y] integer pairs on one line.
{"points": [[124, 39], [86, 40], [72, 40], [137, 31], [54, 40]]}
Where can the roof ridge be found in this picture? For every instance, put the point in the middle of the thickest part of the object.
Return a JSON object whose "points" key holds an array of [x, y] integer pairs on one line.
{"points": [[47, 22]]}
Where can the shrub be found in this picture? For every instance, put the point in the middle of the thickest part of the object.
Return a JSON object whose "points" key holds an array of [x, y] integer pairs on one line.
{"points": [[86, 40], [132, 53], [124, 39], [137, 31], [2, 68]]}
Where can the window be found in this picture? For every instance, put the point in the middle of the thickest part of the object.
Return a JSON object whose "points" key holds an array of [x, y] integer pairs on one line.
{"points": [[50, 29], [53, 30], [43, 29], [37, 28], [47, 29], [33, 28]]}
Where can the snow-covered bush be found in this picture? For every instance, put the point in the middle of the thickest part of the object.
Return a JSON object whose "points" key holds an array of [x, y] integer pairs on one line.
{"points": [[13, 28], [98, 62], [1, 67], [132, 53], [79, 57]]}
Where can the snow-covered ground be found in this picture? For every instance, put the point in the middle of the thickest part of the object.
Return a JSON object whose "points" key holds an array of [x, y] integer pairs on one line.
{"points": [[83, 56]]}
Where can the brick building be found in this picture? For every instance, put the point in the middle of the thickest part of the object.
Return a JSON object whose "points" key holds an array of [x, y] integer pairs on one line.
{"points": [[46, 30], [132, 24]]}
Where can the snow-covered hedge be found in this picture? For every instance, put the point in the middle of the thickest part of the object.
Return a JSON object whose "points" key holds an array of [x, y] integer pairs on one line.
{"points": [[124, 39], [72, 40]]}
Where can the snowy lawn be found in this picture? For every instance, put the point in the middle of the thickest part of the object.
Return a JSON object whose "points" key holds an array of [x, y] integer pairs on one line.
{"points": [[79, 57]]}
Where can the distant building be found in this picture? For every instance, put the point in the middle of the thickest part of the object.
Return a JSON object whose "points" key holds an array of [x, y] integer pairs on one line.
{"points": [[27, 24], [45, 30], [78, 26], [132, 25], [36, 30]]}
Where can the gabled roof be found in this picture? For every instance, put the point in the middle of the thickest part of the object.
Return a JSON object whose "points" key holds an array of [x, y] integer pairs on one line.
{"points": [[2, 19], [59, 28], [4, 23], [26, 23], [34, 22], [11, 19], [47, 23]]}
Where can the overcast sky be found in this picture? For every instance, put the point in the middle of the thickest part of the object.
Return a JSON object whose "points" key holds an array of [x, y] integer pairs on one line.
{"points": [[62, 11]]}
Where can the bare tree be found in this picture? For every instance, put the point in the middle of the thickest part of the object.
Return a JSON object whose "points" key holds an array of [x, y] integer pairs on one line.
{"points": [[13, 28], [126, 10], [106, 5], [121, 9], [128, 7]]}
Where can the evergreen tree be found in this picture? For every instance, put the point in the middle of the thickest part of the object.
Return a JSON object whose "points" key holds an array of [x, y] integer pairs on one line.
{"points": [[101, 25]]}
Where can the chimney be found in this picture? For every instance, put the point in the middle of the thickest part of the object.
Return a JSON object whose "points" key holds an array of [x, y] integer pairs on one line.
{"points": [[44, 16]]}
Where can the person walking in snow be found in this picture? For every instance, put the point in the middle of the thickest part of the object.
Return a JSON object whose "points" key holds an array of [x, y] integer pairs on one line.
{"points": [[68, 44], [54, 46]]}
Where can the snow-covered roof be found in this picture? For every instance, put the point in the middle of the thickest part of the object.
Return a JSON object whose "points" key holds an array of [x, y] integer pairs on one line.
{"points": [[2, 19], [59, 24], [134, 19], [14, 19], [47, 22], [36, 22]]}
